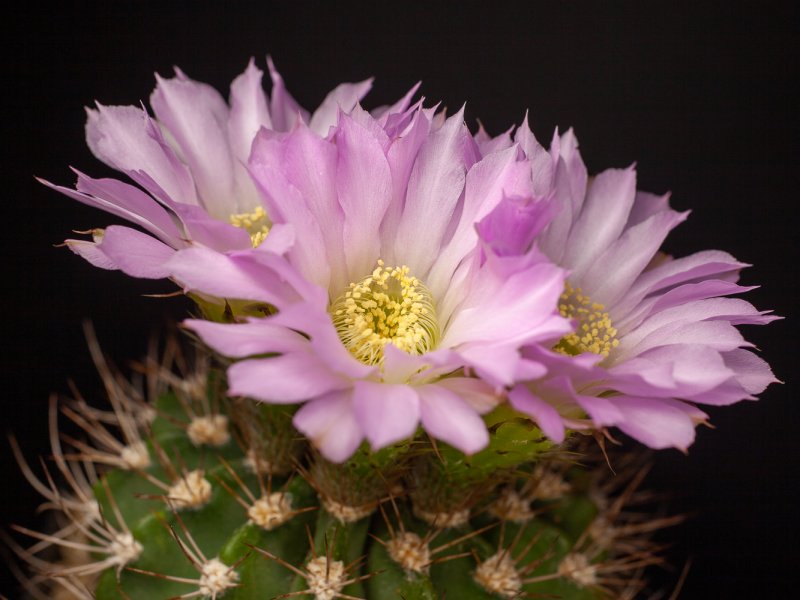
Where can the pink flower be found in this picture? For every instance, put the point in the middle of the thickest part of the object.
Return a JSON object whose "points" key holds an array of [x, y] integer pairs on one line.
{"points": [[391, 309], [655, 336], [190, 163]]}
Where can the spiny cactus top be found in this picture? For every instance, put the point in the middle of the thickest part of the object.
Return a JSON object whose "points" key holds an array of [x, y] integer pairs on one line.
{"points": [[389, 269]]}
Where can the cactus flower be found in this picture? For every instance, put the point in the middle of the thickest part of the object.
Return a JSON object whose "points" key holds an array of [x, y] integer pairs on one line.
{"points": [[654, 336], [189, 162], [392, 310]]}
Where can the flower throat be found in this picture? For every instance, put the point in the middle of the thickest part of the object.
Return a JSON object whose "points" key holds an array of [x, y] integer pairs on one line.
{"points": [[389, 306]]}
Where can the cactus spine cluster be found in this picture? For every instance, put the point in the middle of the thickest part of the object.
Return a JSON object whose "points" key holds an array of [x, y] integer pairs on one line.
{"points": [[179, 491]]}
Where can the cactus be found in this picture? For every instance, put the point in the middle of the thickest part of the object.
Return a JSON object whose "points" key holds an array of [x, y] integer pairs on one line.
{"points": [[179, 491]]}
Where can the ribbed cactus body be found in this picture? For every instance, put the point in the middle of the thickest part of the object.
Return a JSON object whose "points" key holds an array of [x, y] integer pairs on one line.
{"points": [[229, 502]]}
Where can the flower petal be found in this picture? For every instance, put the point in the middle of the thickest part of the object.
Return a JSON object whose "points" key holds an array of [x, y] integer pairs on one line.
{"points": [[343, 97], [546, 417], [434, 188], [284, 379], [364, 186], [329, 422], [602, 218], [386, 413], [284, 110], [257, 336], [197, 116], [657, 423], [447, 417], [135, 253], [121, 136]]}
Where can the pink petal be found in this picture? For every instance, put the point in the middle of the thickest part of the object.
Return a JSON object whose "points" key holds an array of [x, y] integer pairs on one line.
{"points": [[343, 97], [569, 186], [752, 373], [296, 175], [656, 423], [434, 188], [478, 394], [284, 109], [124, 201], [602, 218], [135, 253], [249, 111], [205, 270], [542, 163], [504, 305], [284, 379], [329, 422], [611, 274], [387, 413], [197, 116], [447, 417], [402, 155], [120, 137], [248, 114], [547, 417], [364, 185], [257, 336], [92, 253], [399, 366], [495, 177]]}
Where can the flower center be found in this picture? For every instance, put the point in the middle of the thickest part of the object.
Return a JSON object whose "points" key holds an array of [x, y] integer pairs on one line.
{"points": [[255, 223], [595, 332], [388, 307]]}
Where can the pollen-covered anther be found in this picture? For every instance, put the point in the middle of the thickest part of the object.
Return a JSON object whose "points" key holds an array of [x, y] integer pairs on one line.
{"points": [[594, 333], [215, 578], [191, 491], [135, 456], [511, 506], [577, 567], [124, 548], [498, 575], [390, 306], [325, 578], [445, 520], [210, 430], [271, 510], [345, 513], [256, 223], [410, 551]]}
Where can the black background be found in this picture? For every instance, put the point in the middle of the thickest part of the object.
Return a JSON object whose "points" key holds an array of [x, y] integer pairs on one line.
{"points": [[699, 95]]}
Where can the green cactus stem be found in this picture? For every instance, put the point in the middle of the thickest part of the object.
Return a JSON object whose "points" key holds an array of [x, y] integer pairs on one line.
{"points": [[192, 494]]}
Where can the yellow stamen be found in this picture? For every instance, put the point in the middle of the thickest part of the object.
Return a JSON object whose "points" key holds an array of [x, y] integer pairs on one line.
{"points": [[594, 333], [255, 223], [389, 306]]}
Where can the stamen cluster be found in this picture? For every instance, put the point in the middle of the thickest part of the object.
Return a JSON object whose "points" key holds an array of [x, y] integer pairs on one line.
{"points": [[389, 306], [594, 333], [255, 223]]}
